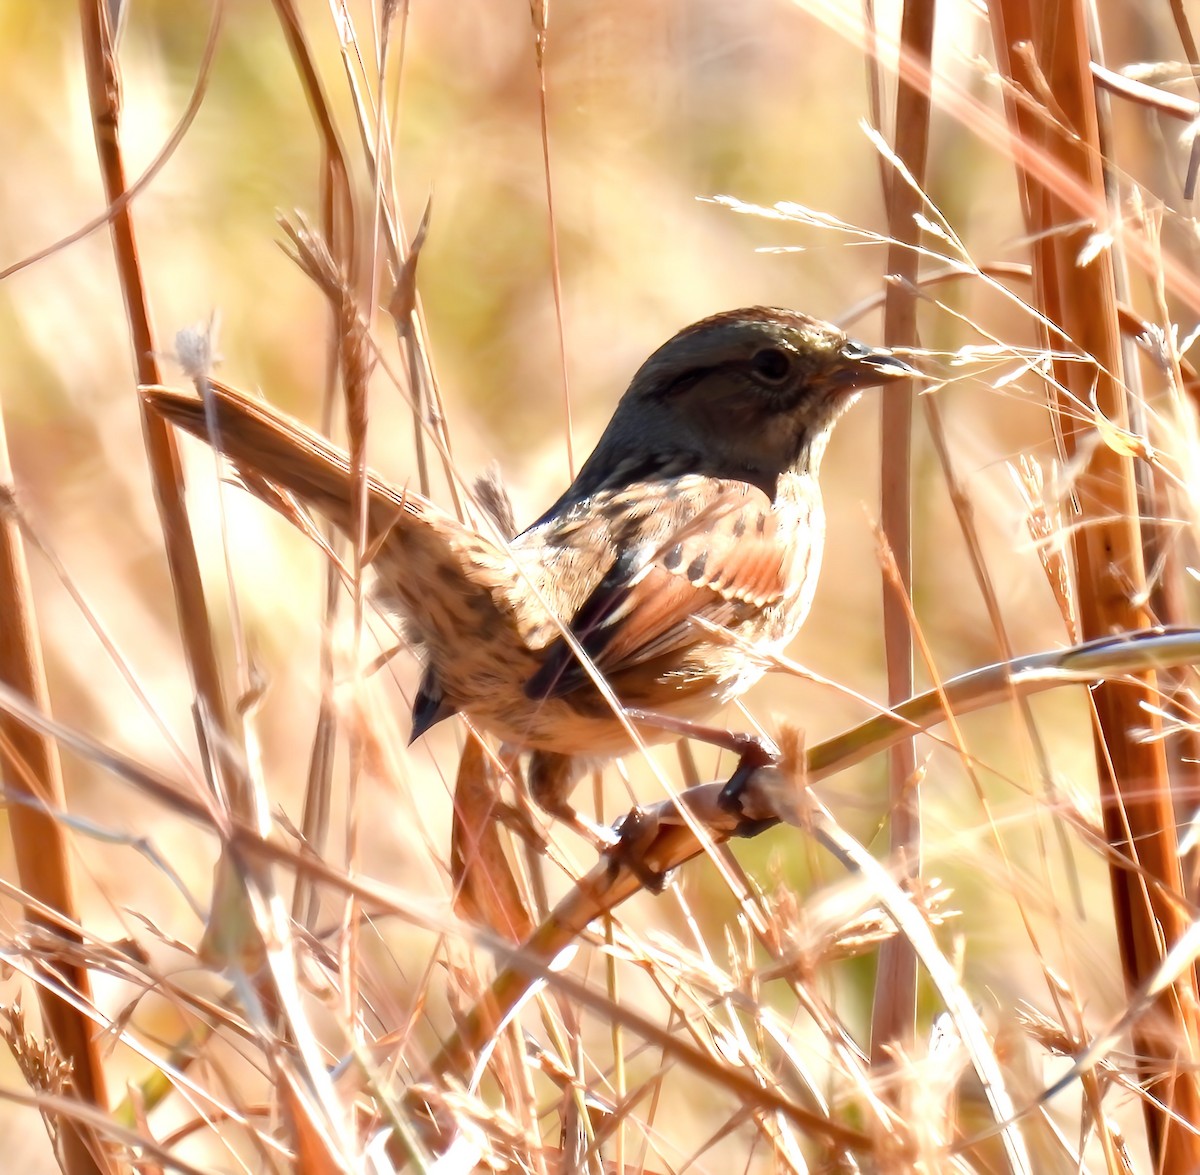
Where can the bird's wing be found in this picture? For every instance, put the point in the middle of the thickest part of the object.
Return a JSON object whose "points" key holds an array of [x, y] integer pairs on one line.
{"points": [[682, 550]]}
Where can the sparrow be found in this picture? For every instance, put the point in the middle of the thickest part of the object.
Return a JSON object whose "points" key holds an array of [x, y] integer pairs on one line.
{"points": [[682, 557]]}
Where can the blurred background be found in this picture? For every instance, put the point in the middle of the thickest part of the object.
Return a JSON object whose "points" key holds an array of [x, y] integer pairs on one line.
{"points": [[653, 110]]}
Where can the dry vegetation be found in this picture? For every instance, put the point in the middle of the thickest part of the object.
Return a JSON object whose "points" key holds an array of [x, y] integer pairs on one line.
{"points": [[245, 929]]}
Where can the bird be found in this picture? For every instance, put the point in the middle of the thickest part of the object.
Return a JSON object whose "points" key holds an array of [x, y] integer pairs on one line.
{"points": [[682, 557]]}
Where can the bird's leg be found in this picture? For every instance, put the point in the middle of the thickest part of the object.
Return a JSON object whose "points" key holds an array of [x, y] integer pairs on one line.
{"points": [[754, 751], [551, 779], [640, 827]]}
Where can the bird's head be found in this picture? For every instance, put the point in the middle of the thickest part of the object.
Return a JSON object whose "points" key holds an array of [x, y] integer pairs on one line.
{"points": [[747, 394]]}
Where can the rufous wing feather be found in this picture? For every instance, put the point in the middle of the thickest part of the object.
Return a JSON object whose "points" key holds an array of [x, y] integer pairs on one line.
{"points": [[711, 554]]}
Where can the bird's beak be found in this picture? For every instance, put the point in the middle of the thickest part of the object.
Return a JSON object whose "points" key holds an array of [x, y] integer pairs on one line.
{"points": [[868, 367]]}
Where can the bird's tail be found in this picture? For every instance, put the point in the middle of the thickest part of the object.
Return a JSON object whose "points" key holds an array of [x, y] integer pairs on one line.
{"points": [[265, 444]]}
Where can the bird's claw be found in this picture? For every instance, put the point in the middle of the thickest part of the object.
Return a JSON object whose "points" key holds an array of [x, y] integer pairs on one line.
{"points": [[634, 834], [755, 755]]}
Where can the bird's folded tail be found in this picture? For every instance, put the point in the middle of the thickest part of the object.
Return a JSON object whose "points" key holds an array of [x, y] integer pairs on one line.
{"points": [[264, 443]]}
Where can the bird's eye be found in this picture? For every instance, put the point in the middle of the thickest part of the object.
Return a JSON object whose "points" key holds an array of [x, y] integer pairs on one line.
{"points": [[772, 364]]}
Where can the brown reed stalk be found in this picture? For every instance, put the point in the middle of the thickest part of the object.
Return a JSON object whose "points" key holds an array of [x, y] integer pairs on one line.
{"points": [[1044, 52], [32, 773], [893, 1015], [104, 92]]}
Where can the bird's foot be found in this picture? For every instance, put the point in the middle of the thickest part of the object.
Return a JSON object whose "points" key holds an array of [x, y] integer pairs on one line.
{"points": [[769, 785], [551, 778], [754, 751], [755, 755], [636, 832]]}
